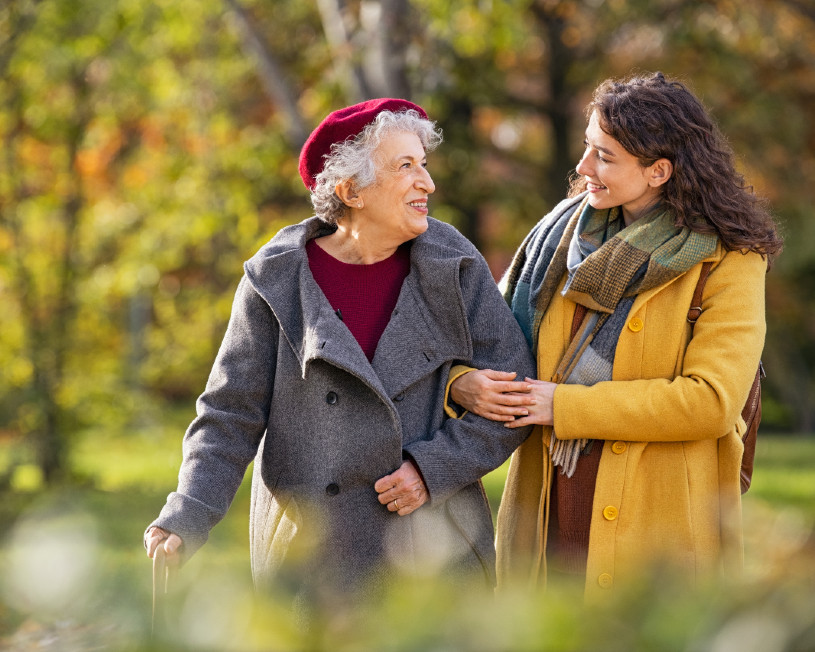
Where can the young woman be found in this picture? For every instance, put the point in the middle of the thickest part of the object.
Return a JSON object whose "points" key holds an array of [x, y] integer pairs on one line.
{"points": [[635, 460]]}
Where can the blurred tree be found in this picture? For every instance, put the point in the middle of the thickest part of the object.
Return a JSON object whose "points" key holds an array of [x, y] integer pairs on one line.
{"points": [[128, 198], [41, 210], [148, 147], [520, 73], [271, 74]]}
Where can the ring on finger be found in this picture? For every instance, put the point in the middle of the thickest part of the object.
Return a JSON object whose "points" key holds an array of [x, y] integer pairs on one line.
{"points": [[396, 505]]}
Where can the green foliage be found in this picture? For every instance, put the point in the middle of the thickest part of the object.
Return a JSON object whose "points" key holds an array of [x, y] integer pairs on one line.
{"points": [[785, 473], [142, 160], [145, 156], [85, 581]]}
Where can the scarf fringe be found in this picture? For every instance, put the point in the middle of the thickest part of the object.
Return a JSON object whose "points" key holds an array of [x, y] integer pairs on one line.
{"points": [[566, 452]]}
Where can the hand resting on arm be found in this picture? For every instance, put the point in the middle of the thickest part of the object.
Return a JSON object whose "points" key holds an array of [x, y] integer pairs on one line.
{"points": [[496, 396]]}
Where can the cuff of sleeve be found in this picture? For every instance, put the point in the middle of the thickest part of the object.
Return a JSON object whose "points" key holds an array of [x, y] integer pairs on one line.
{"points": [[454, 411], [562, 418], [189, 519], [436, 488]]}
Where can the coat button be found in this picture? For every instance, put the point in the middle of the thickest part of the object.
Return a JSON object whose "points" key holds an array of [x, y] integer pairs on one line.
{"points": [[605, 581], [636, 325], [618, 447], [610, 513], [331, 398], [332, 489], [399, 397]]}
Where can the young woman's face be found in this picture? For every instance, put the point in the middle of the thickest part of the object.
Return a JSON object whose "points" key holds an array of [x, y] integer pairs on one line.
{"points": [[615, 177]]}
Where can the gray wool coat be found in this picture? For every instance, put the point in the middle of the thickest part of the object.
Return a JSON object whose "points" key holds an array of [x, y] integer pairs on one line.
{"points": [[292, 389]]}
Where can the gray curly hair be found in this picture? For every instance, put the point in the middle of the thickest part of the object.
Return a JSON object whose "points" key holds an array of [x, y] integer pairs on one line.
{"points": [[354, 159]]}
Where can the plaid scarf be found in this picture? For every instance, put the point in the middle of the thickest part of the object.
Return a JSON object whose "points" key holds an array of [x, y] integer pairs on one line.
{"points": [[607, 266]]}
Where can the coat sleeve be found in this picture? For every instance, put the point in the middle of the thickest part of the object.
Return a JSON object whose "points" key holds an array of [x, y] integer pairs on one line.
{"points": [[465, 449], [231, 418], [717, 370]]}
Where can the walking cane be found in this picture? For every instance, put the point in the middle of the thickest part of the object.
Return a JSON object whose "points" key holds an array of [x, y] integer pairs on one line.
{"points": [[161, 584]]}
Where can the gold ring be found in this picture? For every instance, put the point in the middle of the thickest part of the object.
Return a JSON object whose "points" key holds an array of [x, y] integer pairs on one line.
{"points": [[396, 505]]}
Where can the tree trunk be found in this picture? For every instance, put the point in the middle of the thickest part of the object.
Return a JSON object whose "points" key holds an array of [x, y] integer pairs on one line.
{"points": [[271, 75], [394, 39], [561, 59], [338, 36]]}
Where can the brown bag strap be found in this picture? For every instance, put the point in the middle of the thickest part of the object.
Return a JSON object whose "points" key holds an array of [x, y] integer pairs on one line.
{"points": [[751, 412], [695, 310], [579, 313]]}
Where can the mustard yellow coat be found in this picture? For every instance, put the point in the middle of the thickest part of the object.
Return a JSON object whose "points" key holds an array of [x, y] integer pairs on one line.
{"points": [[668, 483]]}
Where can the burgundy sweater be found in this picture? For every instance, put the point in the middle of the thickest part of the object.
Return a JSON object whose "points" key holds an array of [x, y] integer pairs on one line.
{"points": [[571, 502], [363, 296]]}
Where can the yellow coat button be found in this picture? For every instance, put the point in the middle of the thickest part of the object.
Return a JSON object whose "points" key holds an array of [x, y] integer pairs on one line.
{"points": [[605, 581], [618, 447], [636, 324], [610, 513]]}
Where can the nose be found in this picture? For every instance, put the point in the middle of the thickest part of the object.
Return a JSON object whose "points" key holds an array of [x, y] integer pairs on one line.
{"points": [[425, 182], [583, 168]]}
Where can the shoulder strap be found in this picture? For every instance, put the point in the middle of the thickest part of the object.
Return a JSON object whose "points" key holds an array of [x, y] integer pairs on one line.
{"points": [[751, 412], [579, 314], [695, 310]]}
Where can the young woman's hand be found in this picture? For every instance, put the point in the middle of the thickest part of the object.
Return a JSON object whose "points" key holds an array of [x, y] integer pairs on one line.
{"points": [[494, 395], [542, 410]]}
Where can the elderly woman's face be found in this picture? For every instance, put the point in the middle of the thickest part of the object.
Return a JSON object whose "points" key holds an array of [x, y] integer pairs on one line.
{"points": [[397, 200]]}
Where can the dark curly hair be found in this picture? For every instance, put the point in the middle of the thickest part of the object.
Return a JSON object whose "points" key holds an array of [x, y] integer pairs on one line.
{"points": [[653, 117]]}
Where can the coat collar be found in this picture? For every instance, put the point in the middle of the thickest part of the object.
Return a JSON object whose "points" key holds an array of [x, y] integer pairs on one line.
{"points": [[428, 326]]}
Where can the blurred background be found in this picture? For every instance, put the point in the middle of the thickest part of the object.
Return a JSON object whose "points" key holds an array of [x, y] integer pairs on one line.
{"points": [[148, 148]]}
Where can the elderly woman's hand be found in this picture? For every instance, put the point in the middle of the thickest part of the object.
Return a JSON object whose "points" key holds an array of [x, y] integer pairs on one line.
{"points": [[404, 490], [491, 394], [172, 543]]}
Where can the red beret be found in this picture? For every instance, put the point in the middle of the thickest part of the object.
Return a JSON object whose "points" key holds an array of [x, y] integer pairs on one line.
{"points": [[341, 125]]}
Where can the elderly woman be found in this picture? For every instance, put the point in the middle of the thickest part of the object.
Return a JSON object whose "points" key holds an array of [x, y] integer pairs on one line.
{"points": [[635, 461], [332, 376]]}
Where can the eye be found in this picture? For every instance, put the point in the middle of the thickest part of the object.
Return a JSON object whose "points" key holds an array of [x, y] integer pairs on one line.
{"points": [[599, 156]]}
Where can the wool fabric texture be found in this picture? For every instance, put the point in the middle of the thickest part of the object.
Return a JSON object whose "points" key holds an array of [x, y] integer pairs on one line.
{"points": [[670, 434], [570, 513], [363, 296], [291, 389], [607, 265], [341, 125]]}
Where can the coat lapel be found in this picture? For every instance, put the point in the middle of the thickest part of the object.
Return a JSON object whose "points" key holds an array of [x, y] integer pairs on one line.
{"points": [[429, 326], [280, 274], [419, 338]]}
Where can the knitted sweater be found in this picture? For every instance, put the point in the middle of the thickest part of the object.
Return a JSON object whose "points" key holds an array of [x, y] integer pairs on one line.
{"points": [[363, 296]]}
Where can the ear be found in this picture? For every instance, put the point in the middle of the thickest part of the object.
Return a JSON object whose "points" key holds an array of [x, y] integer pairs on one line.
{"points": [[347, 193], [659, 172]]}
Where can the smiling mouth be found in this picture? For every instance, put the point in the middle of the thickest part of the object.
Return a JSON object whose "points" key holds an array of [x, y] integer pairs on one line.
{"points": [[594, 186], [418, 204]]}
